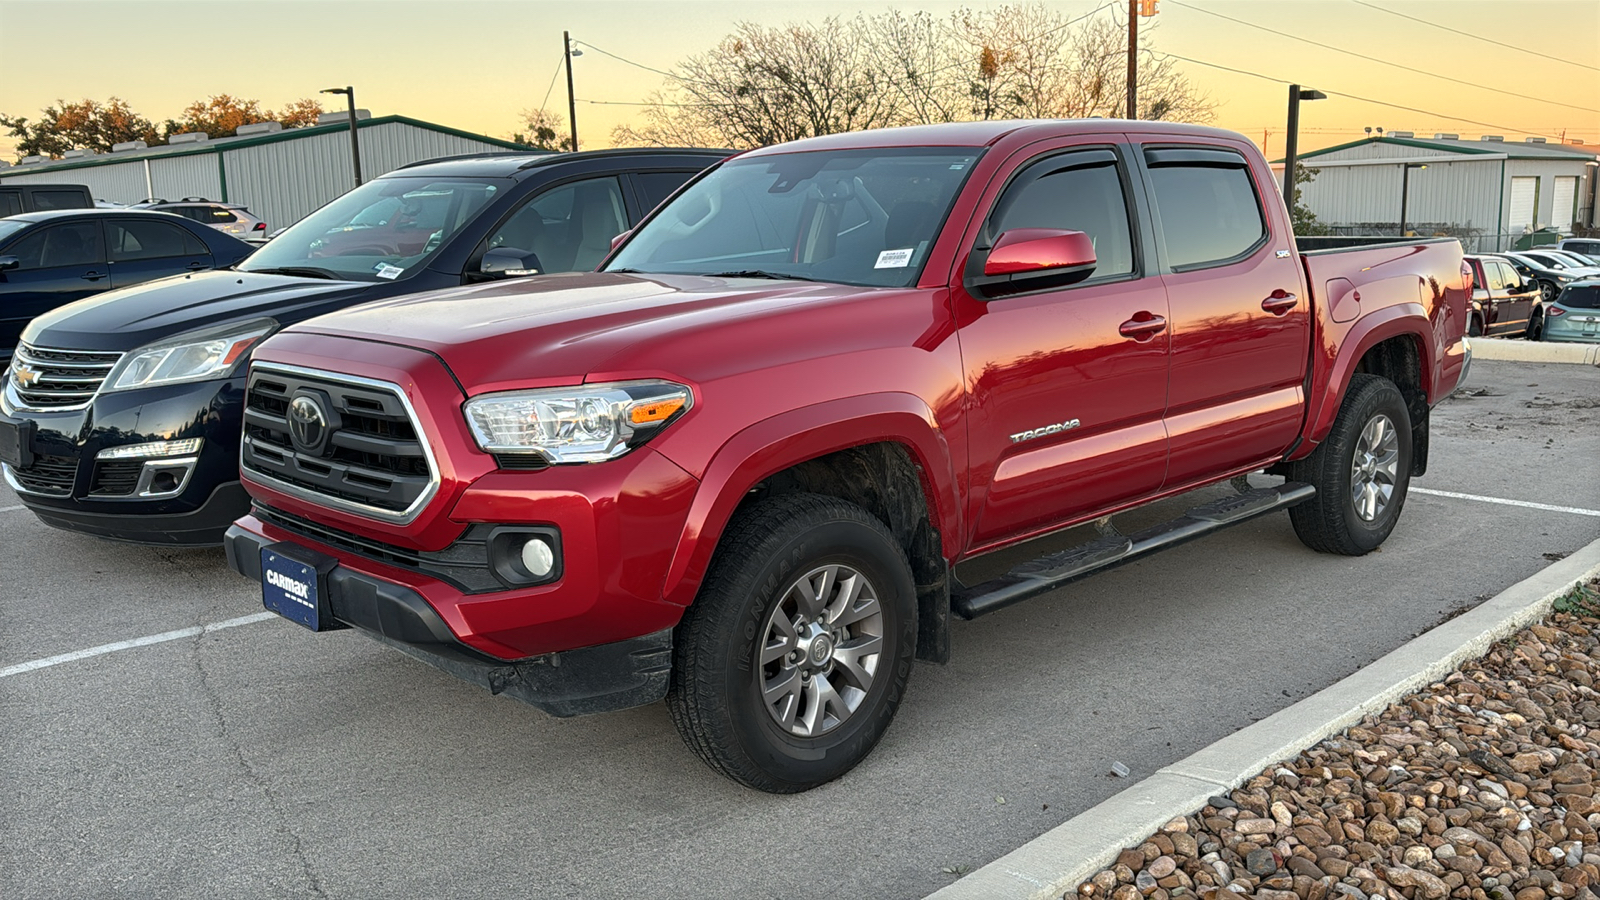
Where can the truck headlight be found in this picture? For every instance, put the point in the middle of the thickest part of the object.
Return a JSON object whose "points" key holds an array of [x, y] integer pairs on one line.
{"points": [[195, 356], [581, 424]]}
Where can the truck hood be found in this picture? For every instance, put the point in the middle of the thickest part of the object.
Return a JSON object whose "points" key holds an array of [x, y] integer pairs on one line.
{"points": [[557, 329], [131, 317]]}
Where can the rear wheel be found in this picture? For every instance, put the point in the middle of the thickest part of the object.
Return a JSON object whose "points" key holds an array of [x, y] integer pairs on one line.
{"points": [[1361, 472], [1475, 326], [1536, 325], [793, 659]]}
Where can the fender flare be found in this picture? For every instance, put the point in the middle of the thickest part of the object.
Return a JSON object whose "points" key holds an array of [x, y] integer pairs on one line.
{"points": [[773, 444], [1401, 320]]}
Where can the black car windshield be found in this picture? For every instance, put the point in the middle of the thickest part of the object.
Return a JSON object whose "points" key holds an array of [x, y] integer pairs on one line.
{"points": [[865, 217], [380, 231], [1581, 296]]}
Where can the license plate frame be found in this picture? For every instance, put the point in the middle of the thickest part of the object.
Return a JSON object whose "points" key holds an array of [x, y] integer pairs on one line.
{"points": [[16, 442], [294, 584]]}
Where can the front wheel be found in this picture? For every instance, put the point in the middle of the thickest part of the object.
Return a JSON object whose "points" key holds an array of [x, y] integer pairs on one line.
{"points": [[1536, 325], [1361, 472], [792, 660], [1548, 291]]}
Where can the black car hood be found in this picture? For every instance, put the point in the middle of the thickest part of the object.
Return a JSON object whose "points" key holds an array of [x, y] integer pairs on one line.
{"points": [[122, 320]]}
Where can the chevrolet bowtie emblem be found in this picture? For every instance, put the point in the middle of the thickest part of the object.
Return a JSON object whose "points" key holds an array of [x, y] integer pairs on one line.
{"points": [[25, 375]]}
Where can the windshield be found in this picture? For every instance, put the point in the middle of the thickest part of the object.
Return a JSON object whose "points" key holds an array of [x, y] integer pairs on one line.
{"points": [[380, 231], [1585, 296], [8, 227], [865, 217]]}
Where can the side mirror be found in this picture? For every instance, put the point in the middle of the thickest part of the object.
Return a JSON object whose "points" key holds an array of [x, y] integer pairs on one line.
{"points": [[1032, 258], [509, 262], [617, 241], [7, 263]]}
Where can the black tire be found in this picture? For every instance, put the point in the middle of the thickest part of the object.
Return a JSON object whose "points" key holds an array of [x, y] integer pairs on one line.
{"points": [[1535, 325], [1330, 522], [717, 678], [1474, 326], [1548, 291]]}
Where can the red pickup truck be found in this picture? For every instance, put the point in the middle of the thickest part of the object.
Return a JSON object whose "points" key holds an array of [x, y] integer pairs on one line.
{"points": [[736, 467]]}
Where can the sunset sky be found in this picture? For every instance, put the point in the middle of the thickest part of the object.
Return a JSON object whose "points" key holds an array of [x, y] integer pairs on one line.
{"points": [[473, 64]]}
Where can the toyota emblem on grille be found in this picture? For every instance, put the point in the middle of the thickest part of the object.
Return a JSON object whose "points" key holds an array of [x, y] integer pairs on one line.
{"points": [[25, 375], [308, 424]]}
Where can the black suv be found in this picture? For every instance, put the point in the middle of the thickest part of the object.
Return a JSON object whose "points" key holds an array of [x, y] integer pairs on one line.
{"points": [[121, 415]]}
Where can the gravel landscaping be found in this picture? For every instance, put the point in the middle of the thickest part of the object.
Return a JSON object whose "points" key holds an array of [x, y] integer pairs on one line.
{"points": [[1480, 787]]}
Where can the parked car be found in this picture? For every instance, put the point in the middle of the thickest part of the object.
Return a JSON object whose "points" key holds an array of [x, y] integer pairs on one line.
{"points": [[1504, 301], [1569, 264], [49, 259], [736, 467], [1589, 247], [1575, 316], [232, 218], [1571, 258], [1549, 279], [21, 198], [129, 405]]}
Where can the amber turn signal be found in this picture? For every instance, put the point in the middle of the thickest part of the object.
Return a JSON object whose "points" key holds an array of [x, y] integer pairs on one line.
{"points": [[655, 411]]}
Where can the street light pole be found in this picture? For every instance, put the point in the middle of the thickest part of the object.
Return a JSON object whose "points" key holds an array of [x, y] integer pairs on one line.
{"points": [[1405, 191], [572, 102], [1133, 59], [355, 145], [1291, 140]]}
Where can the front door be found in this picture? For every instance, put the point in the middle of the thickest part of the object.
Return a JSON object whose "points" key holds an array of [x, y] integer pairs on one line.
{"points": [[56, 265], [1240, 329], [144, 249], [1064, 407]]}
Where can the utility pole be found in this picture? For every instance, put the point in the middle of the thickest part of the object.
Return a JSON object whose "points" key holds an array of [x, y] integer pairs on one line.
{"points": [[1133, 59], [572, 102]]}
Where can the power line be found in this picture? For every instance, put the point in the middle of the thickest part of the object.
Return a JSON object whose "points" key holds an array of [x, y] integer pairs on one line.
{"points": [[629, 61], [1380, 61], [1425, 112], [1479, 37], [546, 101]]}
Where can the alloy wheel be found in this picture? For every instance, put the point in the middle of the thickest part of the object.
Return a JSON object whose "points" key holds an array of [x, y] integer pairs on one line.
{"points": [[1375, 468], [820, 653]]}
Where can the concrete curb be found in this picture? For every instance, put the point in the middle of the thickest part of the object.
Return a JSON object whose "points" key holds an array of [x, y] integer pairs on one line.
{"points": [[1535, 351], [1059, 860]]}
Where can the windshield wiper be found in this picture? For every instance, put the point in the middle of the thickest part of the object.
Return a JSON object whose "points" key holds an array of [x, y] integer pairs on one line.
{"points": [[759, 273], [306, 271]]}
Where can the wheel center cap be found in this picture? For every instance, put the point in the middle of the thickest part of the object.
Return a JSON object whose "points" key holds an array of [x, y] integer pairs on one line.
{"points": [[821, 649]]}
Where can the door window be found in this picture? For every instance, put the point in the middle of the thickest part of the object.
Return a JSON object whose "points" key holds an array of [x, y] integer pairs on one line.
{"points": [[654, 187], [1080, 191], [10, 203], [570, 227], [1207, 205], [78, 244], [131, 240], [58, 200]]}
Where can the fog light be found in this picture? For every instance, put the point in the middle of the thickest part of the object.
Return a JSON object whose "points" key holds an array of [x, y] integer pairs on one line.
{"points": [[538, 558]]}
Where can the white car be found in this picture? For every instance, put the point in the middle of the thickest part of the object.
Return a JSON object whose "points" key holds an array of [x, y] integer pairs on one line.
{"points": [[231, 218]]}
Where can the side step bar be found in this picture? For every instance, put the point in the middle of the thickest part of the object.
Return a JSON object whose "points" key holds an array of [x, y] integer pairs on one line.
{"points": [[1045, 574]]}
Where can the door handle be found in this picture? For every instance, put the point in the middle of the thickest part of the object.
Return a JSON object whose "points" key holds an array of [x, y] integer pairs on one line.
{"points": [[92, 276], [1280, 302], [1143, 329], [195, 266]]}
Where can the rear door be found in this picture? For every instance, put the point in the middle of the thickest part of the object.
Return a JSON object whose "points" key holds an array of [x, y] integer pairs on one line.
{"points": [[141, 249], [1520, 291], [58, 264], [10, 202], [1065, 409], [1241, 329]]}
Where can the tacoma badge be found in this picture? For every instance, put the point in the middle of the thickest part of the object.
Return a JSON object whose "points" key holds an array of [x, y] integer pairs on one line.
{"points": [[1032, 433]]}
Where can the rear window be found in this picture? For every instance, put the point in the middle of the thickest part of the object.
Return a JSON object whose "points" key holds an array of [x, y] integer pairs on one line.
{"points": [[59, 200], [1207, 206], [1585, 296]]}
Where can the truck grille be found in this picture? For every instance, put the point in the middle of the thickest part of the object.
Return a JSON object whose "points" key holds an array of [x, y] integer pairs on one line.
{"points": [[49, 475], [40, 378], [348, 442]]}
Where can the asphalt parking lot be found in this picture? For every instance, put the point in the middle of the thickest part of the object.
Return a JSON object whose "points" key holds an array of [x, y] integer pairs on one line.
{"points": [[260, 760]]}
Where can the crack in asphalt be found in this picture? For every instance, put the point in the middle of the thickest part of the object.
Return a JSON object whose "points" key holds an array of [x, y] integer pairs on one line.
{"points": [[297, 847]]}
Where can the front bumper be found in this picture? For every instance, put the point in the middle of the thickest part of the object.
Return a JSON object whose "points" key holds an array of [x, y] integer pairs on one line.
{"points": [[616, 675], [187, 500]]}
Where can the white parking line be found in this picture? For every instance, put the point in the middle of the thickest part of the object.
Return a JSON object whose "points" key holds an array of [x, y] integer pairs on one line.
{"points": [[146, 641], [1577, 511], [12, 508]]}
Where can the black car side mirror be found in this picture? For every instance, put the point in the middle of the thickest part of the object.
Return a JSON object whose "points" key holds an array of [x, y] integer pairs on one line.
{"points": [[509, 262], [7, 263]]}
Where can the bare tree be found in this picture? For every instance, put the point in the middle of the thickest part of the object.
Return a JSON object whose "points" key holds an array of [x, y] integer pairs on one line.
{"points": [[764, 85]]}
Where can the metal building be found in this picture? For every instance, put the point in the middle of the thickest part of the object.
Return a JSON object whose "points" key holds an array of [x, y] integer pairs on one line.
{"points": [[1488, 192], [281, 174]]}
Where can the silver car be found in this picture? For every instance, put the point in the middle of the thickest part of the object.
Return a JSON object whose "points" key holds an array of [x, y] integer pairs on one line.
{"points": [[232, 218]]}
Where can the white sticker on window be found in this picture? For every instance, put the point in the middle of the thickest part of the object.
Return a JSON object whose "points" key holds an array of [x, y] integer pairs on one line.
{"points": [[390, 273], [894, 259]]}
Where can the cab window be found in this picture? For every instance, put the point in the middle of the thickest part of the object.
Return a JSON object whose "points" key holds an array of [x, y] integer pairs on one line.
{"points": [[1078, 191]]}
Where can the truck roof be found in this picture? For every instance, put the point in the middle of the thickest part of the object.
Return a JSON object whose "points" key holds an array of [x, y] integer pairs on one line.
{"points": [[983, 134]]}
